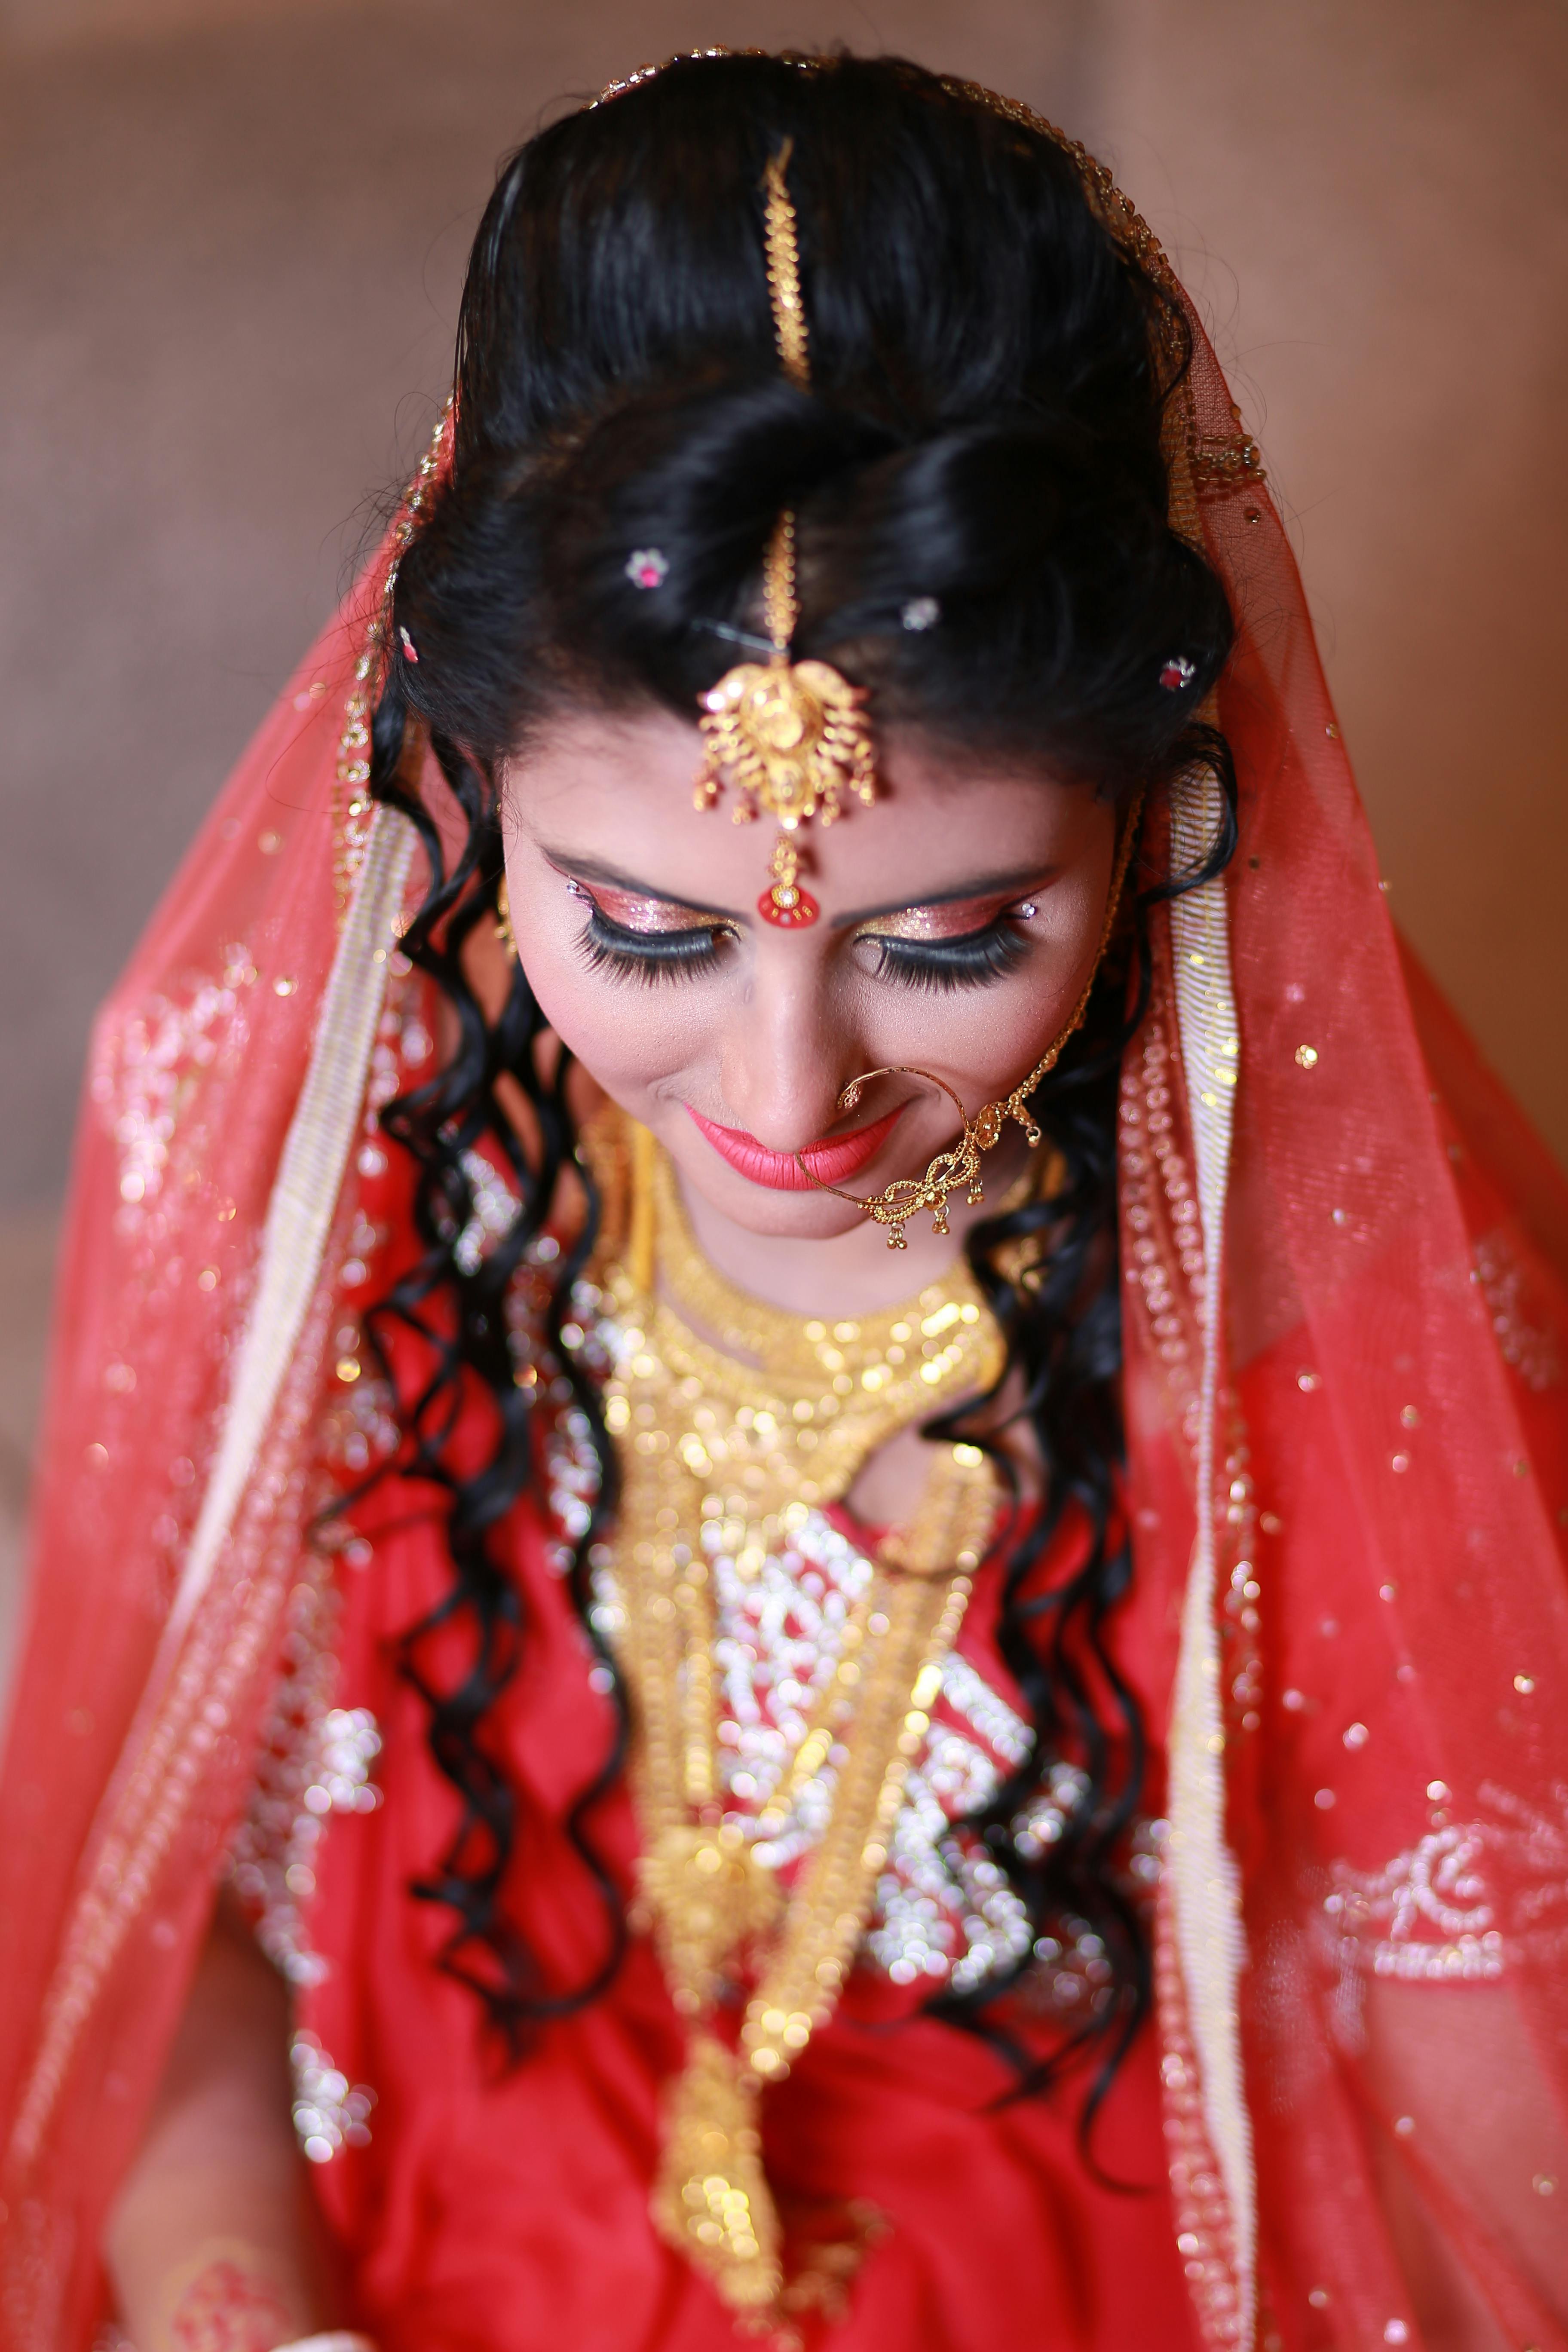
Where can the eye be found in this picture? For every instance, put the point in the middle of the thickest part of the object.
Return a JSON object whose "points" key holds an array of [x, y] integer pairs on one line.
{"points": [[975, 960], [684, 953]]}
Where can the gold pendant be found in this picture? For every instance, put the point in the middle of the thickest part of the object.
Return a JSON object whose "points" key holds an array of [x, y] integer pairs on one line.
{"points": [[791, 736], [712, 1898], [712, 2200]]}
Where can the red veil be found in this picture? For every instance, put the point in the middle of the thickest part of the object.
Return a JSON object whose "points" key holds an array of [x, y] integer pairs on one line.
{"points": [[1345, 1412]]}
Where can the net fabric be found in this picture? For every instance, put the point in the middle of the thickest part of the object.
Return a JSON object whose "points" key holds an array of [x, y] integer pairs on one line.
{"points": [[133, 1737], [1386, 1424], [1394, 1508]]}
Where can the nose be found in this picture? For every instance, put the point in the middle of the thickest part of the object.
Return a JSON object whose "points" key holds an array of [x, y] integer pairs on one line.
{"points": [[786, 1050]]}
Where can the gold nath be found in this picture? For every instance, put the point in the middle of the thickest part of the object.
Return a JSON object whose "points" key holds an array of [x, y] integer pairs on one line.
{"points": [[791, 736], [960, 1163]]}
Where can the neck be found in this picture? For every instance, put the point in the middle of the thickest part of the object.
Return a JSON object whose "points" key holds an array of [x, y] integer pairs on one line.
{"points": [[853, 1273]]}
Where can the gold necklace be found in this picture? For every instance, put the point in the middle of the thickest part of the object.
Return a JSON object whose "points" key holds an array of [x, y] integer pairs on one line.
{"points": [[735, 1421]]}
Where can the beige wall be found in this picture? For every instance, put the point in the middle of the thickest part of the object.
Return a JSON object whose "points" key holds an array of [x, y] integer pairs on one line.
{"points": [[232, 231]]}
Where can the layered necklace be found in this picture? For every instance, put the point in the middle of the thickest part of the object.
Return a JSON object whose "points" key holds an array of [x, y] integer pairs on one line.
{"points": [[736, 1422]]}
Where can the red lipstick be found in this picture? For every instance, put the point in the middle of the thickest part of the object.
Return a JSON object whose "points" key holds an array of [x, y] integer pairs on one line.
{"points": [[832, 1162]]}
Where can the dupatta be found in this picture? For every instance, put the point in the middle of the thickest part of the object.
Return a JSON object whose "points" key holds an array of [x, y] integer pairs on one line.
{"points": [[1363, 1929]]}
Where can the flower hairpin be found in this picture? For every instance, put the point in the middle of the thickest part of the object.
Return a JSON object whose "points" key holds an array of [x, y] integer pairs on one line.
{"points": [[647, 567], [1177, 673]]}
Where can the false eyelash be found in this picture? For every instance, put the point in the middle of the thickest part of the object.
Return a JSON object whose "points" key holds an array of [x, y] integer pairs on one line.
{"points": [[975, 961], [647, 957]]}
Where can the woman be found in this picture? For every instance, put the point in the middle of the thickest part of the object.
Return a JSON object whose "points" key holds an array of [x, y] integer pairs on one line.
{"points": [[1005, 1788]]}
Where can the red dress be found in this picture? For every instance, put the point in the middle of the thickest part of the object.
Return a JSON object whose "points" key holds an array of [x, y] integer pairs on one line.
{"points": [[507, 2210]]}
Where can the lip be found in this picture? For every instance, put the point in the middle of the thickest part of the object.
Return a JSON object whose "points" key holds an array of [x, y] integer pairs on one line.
{"points": [[833, 1162]]}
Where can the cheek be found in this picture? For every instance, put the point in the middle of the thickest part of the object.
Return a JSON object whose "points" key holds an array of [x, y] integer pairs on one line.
{"points": [[979, 1038], [984, 1039], [624, 1035]]}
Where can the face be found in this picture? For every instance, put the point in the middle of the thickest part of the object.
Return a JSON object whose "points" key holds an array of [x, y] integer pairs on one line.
{"points": [[960, 920]]}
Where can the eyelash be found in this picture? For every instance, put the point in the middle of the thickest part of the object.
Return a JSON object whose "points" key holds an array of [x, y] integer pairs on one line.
{"points": [[977, 961], [646, 956]]}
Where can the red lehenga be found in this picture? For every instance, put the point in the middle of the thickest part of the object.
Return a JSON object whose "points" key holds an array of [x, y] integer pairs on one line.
{"points": [[1346, 1412]]}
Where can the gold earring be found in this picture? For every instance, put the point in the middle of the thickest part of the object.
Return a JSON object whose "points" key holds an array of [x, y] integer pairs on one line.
{"points": [[960, 1163], [504, 931]]}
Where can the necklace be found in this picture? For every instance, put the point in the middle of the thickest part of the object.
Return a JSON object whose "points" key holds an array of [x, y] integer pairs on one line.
{"points": [[735, 1420]]}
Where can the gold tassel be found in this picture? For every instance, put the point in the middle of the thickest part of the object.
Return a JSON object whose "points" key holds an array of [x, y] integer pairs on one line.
{"points": [[711, 2199]]}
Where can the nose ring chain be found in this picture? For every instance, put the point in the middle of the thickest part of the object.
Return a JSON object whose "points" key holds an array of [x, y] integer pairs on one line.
{"points": [[960, 1163]]}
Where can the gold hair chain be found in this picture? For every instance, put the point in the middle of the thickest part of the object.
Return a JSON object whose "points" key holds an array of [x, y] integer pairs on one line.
{"points": [[791, 736]]}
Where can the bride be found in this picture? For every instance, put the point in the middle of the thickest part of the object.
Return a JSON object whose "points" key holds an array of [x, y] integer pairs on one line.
{"points": [[797, 1566]]}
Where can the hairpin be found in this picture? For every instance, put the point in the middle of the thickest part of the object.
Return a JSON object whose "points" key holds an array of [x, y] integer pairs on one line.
{"points": [[920, 612], [1178, 672], [735, 636], [410, 652], [647, 567]]}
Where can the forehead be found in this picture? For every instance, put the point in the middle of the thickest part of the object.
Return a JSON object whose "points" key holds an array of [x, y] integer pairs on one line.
{"points": [[618, 790]]}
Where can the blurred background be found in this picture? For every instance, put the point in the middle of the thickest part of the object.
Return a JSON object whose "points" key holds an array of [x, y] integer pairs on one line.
{"points": [[233, 232]]}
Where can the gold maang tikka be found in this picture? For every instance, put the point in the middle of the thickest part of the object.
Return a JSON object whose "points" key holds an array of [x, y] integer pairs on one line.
{"points": [[960, 1163], [791, 736]]}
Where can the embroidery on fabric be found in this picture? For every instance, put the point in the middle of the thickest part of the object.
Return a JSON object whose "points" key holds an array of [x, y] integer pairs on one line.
{"points": [[330, 2113], [315, 1762], [146, 1077], [1534, 1354], [1165, 1258], [945, 1911], [1206, 2237], [1435, 1915]]}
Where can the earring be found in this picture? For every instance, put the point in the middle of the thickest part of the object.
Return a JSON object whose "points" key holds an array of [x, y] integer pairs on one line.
{"points": [[504, 931]]}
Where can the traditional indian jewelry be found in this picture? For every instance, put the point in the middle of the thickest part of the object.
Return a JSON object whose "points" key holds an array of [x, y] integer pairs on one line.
{"points": [[960, 1163], [791, 736], [353, 807], [504, 931], [728, 1442]]}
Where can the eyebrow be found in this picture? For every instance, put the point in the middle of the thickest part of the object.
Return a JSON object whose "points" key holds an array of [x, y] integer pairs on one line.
{"points": [[594, 869], [984, 885]]}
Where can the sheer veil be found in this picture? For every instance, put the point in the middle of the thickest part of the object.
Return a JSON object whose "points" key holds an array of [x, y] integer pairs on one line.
{"points": [[1344, 1485]]}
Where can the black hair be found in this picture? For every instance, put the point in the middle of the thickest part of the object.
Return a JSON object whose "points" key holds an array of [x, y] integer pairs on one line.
{"points": [[991, 365]]}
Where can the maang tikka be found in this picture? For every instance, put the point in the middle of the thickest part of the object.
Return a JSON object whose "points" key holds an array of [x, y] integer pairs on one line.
{"points": [[791, 736]]}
